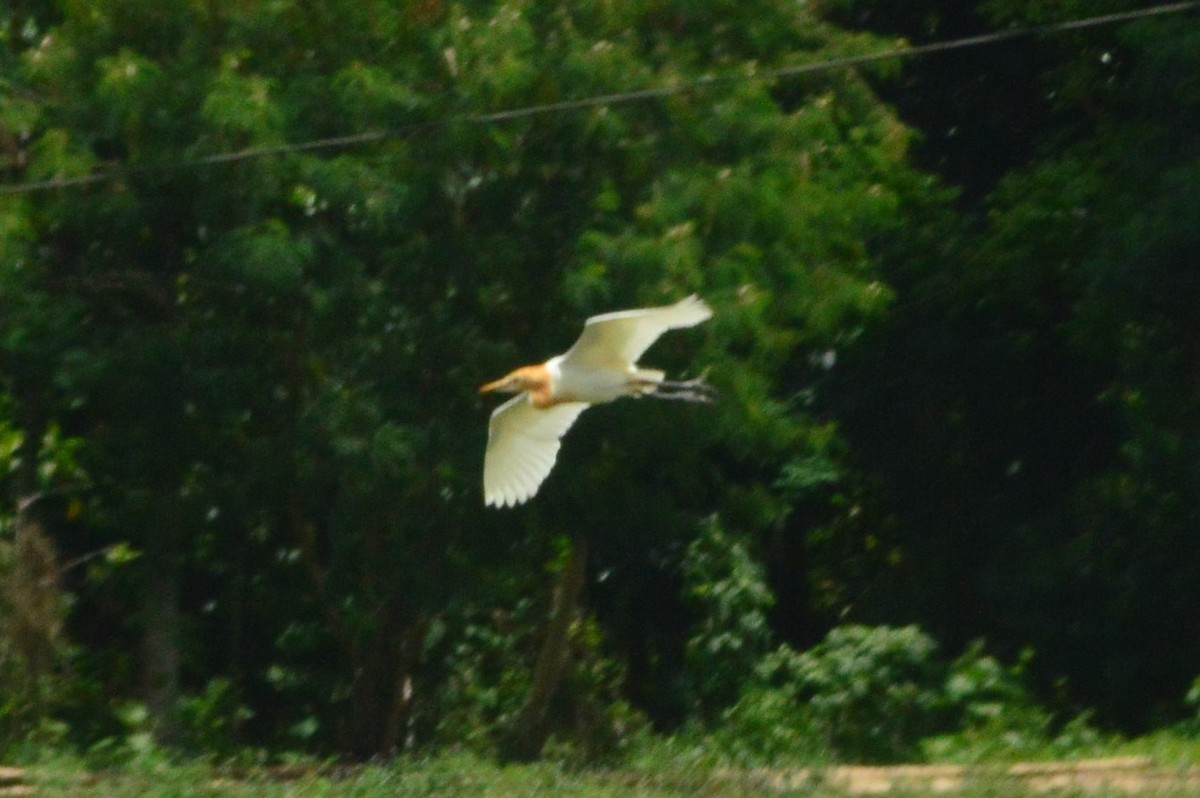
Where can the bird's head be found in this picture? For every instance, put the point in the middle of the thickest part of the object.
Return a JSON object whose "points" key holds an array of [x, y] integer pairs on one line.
{"points": [[527, 378]]}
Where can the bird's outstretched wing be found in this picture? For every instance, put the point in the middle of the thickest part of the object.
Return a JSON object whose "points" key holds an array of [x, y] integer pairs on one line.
{"points": [[523, 443], [617, 340]]}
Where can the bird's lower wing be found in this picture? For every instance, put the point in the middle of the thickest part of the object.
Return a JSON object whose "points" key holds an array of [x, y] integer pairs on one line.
{"points": [[618, 340], [523, 443]]}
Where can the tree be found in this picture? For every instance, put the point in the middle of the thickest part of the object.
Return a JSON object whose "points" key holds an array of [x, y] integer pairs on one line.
{"points": [[1002, 413], [270, 360]]}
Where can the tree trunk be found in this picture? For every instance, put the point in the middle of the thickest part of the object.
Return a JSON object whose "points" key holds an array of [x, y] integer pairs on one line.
{"points": [[531, 728], [397, 730], [160, 624], [33, 597], [32, 589]]}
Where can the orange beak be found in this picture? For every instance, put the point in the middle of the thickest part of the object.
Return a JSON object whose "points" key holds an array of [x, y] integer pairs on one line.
{"points": [[513, 382]]}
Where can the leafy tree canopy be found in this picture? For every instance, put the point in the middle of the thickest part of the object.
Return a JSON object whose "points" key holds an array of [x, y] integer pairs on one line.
{"points": [[270, 362]]}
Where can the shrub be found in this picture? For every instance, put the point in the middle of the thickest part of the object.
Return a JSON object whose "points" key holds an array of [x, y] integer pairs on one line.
{"points": [[874, 692], [769, 726], [864, 694], [882, 694], [482, 658], [487, 661], [993, 714], [209, 721], [1192, 701], [728, 588]]}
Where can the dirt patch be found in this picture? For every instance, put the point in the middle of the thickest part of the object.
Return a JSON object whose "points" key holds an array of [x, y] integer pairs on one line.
{"points": [[1127, 775], [12, 782]]}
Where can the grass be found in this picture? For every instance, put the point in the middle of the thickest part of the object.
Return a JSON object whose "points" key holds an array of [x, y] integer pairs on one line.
{"points": [[446, 776], [661, 775], [656, 768], [1167, 748]]}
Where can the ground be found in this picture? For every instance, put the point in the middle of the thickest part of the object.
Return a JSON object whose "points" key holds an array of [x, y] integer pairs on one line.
{"points": [[1118, 775], [464, 775]]}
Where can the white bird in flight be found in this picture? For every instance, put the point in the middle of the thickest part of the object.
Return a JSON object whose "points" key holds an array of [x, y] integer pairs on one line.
{"points": [[524, 432]]}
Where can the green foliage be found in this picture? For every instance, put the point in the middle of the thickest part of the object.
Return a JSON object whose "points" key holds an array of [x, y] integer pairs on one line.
{"points": [[862, 694], [1191, 701], [487, 677], [36, 657], [770, 726], [873, 692], [727, 589], [1116, 213], [1021, 423], [882, 694], [984, 688], [269, 362], [254, 379], [994, 715], [211, 720], [487, 668]]}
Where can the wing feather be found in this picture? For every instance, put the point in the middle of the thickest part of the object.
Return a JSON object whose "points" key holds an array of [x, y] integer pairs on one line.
{"points": [[618, 340], [523, 443]]}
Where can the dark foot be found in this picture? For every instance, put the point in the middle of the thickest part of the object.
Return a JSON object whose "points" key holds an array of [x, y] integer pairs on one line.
{"points": [[694, 390]]}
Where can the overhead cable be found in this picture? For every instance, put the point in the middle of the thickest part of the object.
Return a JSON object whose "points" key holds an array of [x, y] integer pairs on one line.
{"points": [[606, 100]]}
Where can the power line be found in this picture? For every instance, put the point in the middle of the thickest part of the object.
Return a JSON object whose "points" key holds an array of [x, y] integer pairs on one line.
{"points": [[619, 98]]}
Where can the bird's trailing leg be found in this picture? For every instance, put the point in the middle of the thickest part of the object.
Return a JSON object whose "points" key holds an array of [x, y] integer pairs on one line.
{"points": [[693, 390]]}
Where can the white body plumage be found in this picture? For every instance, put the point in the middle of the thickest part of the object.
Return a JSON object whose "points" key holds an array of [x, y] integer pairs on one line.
{"points": [[594, 386], [524, 432]]}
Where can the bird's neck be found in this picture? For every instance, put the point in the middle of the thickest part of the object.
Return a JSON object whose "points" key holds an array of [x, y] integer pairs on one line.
{"points": [[544, 380], [538, 382]]}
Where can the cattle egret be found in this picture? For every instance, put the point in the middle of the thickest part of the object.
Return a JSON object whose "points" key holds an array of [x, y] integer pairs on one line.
{"points": [[524, 432]]}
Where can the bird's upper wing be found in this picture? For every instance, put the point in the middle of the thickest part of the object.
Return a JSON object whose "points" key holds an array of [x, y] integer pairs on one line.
{"points": [[523, 443], [617, 340]]}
